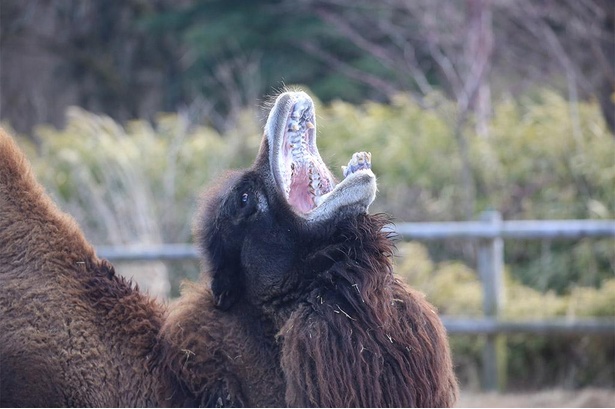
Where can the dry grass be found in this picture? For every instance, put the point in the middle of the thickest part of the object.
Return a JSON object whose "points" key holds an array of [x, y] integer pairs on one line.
{"points": [[556, 398]]}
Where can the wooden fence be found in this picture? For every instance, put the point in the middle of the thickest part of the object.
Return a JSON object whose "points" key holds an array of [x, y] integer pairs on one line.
{"points": [[489, 232]]}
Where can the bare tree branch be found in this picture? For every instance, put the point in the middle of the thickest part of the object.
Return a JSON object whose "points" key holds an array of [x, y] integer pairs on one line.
{"points": [[373, 81]]}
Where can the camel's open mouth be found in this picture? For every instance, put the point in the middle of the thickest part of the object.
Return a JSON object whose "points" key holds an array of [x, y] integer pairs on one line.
{"points": [[299, 171]]}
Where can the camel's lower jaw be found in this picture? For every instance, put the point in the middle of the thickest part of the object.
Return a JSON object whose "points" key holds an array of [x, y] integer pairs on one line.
{"points": [[352, 196], [299, 171]]}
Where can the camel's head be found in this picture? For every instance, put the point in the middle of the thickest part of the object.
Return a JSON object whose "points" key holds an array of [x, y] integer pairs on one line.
{"points": [[293, 166], [257, 226]]}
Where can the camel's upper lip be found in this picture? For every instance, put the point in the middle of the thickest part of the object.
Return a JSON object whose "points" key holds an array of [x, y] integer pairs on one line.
{"points": [[299, 172]]}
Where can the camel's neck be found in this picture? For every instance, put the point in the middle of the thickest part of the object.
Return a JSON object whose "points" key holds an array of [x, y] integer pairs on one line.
{"points": [[352, 264], [218, 357]]}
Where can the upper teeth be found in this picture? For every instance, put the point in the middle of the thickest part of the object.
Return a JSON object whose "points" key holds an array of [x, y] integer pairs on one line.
{"points": [[315, 185]]}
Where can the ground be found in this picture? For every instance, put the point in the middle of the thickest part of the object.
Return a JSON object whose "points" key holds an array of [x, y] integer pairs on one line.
{"points": [[585, 398]]}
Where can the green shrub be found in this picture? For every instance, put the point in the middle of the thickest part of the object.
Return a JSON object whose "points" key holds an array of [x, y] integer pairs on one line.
{"points": [[451, 286], [532, 360], [140, 181], [535, 164]]}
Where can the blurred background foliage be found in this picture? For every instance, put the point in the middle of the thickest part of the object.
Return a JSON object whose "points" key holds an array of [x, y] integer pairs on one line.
{"points": [[533, 361], [127, 108], [138, 183]]}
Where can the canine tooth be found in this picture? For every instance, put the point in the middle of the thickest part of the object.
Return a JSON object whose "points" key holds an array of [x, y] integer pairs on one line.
{"points": [[312, 189], [309, 125], [294, 127], [359, 160]]}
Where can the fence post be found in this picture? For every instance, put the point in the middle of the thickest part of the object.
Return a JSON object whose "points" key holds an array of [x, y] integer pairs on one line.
{"points": [[490, 260]]}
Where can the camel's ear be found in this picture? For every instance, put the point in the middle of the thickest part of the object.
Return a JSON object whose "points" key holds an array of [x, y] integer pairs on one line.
{"points": [[226, 288], [226, 282], [222, 249]]}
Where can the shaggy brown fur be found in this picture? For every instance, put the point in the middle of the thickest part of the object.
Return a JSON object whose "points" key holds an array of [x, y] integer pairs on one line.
{"points": [[72, 333], [220, 358], [360, 337], [354, 336]]}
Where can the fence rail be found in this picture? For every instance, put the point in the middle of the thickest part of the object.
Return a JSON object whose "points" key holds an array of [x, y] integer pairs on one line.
{"points": [[489, 233], [514, 229], [563, 326], [153, 252]]}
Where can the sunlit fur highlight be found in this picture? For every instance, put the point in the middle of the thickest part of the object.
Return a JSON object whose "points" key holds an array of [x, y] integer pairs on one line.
{"points": [[72, 332]]}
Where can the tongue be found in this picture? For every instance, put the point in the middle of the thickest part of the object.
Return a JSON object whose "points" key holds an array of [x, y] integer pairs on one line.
{"points": [[300, 196], [306, 183]]}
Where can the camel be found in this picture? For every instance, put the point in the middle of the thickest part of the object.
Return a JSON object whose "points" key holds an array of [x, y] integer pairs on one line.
{"points": [[298, 304]]}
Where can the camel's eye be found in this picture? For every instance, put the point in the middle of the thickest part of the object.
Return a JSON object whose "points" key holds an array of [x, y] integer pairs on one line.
{"points": [[244, 199]]}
